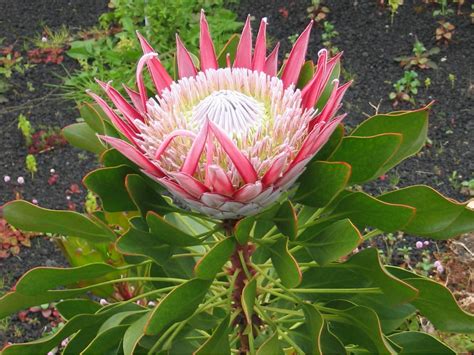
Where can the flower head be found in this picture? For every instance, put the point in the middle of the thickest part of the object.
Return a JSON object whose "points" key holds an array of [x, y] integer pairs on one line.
{"points": [[226, 140]]}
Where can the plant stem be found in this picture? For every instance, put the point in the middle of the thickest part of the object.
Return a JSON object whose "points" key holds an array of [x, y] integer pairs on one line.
{"points": [[242, 271]]}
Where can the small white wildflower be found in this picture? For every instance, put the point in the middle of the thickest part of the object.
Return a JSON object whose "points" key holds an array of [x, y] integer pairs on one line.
{"points": [[20, 180], [6, 178], [426, 243], [103, 302], [470, 205], [443, 59], [44, 39], [52, 171]]}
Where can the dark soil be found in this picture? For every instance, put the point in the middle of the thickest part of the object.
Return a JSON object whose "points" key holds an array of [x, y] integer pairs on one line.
{"points": [[370, 42], [21, 21]]}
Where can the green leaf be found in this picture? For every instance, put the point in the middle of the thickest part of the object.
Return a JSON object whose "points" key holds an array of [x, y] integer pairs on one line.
{"points": [[436, 216], [329, 86], [286, 220], [229, 48], [145, 197], [285, 264], [331, 144], [73, 307], [362, 270], [436, 302], [330, 344], [306, 74], [82, 137], [177, 305], [109, 185], [367, 155], [333, 242], [138, 242], [168, 233], [412, 125], [92, 114], [248, 299], [112, 157], [243, 228], [79, 322], [107, 342], [365, 210], [308, 335], [29, 217], [134, 333], [218, 342], [39, 285], [213, 261], [359, 325], [419, 343], [322, 182], [271, 346]]}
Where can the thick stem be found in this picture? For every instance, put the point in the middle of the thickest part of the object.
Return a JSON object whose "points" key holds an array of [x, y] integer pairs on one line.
{"points": [[242, 270], [240, 282]]}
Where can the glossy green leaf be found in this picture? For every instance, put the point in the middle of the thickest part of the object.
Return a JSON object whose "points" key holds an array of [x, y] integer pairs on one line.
{"points": [[138, 242], [40, 285], [365, 210], [333, 242], [145, 197], [229, 48], [92, 114], [107, 342], [420, 343], [331, 144], [436, 302], [285, 264], [322, 182], [134, 333], [328, 88], [359, 325], [436, 216], [73, 307], [362, 270], [367, 155], [82, 136], [412, 125], [112, 157], [330, 344], [271, 346], [306, 74], [29, 217], [308, 335], [218, 342], [248, 299], [109, 185], [243, 228], [177, 305], [212, 262], [167, 232], [44, 345], [286, 220]]}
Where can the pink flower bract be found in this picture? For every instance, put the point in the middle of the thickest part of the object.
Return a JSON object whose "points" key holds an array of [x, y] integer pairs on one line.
{"points": [[227, 141]]}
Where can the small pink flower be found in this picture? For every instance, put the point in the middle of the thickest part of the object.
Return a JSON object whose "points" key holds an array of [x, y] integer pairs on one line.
{"points": [[20, 180], [6, 179], [34, 201], [227, 140], [419, 245], [426, 243], [439, 267]]}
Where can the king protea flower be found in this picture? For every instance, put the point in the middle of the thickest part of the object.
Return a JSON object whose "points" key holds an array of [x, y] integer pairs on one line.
{"points": [[226, 141]]}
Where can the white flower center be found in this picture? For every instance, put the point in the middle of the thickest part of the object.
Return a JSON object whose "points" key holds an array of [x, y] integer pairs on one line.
{"points": [[233, 111]]}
